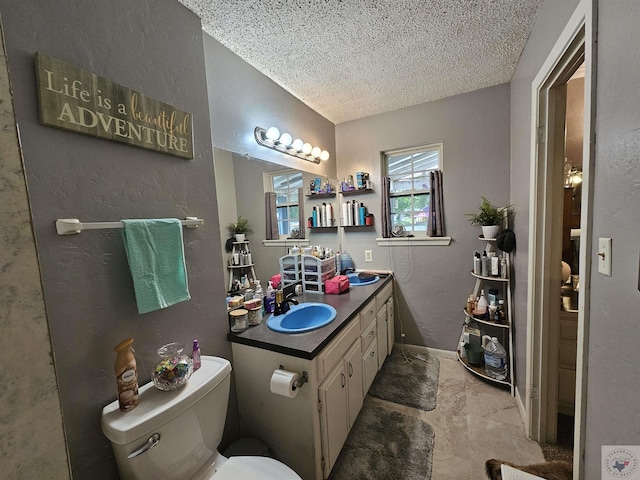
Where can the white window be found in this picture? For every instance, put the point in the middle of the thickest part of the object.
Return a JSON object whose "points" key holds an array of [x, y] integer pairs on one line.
{"points": [[408, 171], [286, 185]]}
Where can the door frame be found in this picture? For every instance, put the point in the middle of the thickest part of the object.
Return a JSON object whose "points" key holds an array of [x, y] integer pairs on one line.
{"points": [[579, 33]]}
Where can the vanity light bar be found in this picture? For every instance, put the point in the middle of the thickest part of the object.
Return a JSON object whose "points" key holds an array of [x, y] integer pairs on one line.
{"points": [[284, 143]]}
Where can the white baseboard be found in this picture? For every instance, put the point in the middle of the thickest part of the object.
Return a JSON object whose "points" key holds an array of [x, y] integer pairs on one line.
{"points": [[435, 351]]}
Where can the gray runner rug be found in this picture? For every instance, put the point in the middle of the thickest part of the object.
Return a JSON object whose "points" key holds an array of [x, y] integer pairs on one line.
{"points": [[414, 384], [385, 445]]}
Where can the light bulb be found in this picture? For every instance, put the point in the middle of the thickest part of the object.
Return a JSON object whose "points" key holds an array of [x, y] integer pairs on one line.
{"points": [[315, 152], [285, 139], [272, 134], [297, 144], [324, 155], [306, 148]]}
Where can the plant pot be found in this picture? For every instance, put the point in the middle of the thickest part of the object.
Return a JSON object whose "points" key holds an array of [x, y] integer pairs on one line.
{"points": [[239, 237], [490, 231]]}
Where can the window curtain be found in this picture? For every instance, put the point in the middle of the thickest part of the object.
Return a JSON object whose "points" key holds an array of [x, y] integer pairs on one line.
{"points": [[302, 223], [385, 209], [271, 216], [436, 206]]}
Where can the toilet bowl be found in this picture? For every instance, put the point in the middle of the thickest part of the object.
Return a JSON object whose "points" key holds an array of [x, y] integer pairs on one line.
{"points": [[175, 435]]}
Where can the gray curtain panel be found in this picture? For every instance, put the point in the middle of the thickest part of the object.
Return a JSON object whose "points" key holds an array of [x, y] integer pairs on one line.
{"points": [[436, 206], [271, 216], [385, 210], [303, 221]]}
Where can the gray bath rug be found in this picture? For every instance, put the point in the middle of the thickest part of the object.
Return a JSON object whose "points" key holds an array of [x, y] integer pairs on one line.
{"points": [[385, 445], [414, 384]]}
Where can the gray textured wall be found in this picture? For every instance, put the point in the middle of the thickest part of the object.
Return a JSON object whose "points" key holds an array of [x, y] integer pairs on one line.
{"points": [[613, 415], [242, 98], [155, 48], [433, 281]]}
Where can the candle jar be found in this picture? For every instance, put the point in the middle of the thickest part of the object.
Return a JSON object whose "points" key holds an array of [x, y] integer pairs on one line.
{"points": [[174, 368]]}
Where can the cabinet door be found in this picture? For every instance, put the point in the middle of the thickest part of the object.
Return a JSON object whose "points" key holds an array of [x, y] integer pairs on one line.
{"points": [[370, 365], [390, 325], [353, 369], [382, 335], [334, 415]]}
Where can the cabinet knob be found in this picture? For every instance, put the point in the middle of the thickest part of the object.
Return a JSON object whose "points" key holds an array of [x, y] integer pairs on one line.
{"points": [[344, 380], [372, 354], [350, 370]]}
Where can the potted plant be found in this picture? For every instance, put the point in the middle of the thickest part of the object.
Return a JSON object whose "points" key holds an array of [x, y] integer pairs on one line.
{"points": [[239, 228], [489, 217]]}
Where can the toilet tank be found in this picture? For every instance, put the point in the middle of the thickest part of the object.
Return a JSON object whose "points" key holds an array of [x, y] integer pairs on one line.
{"points": [[189, 422]]}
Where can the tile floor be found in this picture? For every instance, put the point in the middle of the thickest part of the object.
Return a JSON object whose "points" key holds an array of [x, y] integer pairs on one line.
{"points": [[473, 421]]}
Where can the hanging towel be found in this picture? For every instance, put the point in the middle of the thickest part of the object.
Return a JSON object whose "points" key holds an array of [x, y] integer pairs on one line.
{"points": [[155, 252]]}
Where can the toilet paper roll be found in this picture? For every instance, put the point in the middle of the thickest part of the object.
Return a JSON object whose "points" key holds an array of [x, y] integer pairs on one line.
{"points": [[282, 383]]}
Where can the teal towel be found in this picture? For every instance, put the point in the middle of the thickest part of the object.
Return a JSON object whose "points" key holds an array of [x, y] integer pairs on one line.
{"points": [[155, 252]]}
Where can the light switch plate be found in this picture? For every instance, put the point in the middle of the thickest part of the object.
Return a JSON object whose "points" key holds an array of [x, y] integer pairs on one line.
{"points": [[604, 256]]}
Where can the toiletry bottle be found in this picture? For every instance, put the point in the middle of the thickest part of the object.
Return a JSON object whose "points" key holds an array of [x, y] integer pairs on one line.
{"points": [[503, 267], [485, 264], [482, 306], [477, 263], [271, 298], [258, 292], [197, 362], [126, 375], [362, 212]]}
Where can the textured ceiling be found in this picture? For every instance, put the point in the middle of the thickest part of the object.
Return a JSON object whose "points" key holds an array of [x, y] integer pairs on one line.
{"points": [[348, 59]]}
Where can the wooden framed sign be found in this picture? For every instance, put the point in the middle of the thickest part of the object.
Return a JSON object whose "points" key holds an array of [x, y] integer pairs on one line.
{"points": [[73, 99]]}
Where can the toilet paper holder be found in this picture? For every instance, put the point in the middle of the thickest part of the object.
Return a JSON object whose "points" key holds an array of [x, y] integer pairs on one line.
{"points": [[304, 378]]}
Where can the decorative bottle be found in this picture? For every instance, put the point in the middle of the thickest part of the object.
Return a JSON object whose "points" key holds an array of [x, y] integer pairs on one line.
{"points": [[126, 371], [482, 306], [195, 356]]}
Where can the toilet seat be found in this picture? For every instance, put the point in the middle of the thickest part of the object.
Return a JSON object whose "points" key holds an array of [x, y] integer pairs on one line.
{"points": [[254, 468]]}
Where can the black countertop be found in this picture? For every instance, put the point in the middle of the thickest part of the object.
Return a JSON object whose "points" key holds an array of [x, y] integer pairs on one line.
{"points": [[307, 345]]}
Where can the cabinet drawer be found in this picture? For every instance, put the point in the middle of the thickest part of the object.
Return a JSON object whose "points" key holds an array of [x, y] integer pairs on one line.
{"points": [[369, 366], [368, 335], [568, 329], [333, 353], [367, 314], [384, 295]]}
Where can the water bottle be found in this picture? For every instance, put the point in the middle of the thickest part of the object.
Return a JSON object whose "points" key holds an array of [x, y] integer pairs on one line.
{"points": [[495, 358]]}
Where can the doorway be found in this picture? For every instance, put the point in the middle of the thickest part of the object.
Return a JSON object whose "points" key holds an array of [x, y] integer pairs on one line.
{"points": [[548, 179]]}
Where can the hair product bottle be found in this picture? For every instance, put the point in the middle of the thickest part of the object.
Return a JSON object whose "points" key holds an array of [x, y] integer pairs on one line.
{"points": [[126, 375], [197, 362]]}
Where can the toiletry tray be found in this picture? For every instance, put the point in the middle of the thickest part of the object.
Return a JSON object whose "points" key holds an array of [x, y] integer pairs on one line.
{"points": [[290, 269], [315, 272]]}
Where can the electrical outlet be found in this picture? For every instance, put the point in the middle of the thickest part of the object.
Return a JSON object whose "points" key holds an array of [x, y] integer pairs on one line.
{"points": [[368, 256]]}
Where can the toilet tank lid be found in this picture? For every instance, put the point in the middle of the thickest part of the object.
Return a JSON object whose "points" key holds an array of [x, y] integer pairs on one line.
{"points": [[155, 407]]}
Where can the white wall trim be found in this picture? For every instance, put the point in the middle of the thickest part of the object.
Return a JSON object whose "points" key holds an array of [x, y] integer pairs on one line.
{"points": [[413, 241], [535, 401]]}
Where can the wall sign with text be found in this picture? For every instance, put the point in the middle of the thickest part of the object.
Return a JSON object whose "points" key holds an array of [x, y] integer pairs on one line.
{"points": [[83, 102]]}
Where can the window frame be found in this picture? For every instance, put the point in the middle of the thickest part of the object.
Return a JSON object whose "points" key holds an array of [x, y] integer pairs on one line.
{"points": [[271, 176], [413, 193]]}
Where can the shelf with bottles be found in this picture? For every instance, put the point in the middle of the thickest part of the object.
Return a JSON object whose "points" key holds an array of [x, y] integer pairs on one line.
{"points": [[489, 278], [357, 191], [321, 195], [498, 288], [493, 323], [480, 371]]}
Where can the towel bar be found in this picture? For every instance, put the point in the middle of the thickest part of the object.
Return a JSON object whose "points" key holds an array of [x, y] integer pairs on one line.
{"points": [[71, 226]]}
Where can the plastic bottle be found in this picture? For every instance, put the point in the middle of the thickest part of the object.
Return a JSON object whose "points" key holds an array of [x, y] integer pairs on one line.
{"points": [[485, 264], [477, 263], [126, 371], [270, 299], [195, 356], [495, 359], [501, 315], [258, 293], [482, 305]]}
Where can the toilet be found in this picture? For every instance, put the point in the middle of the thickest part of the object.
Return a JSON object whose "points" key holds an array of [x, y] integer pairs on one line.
{"points": [[175, 435]]}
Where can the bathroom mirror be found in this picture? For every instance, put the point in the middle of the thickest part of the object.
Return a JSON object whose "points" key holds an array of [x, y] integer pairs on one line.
{"points": [[241, 183]]}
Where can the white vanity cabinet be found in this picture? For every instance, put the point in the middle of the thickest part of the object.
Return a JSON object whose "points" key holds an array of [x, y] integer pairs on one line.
{"points": [[340, 400], [307, 432]]}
